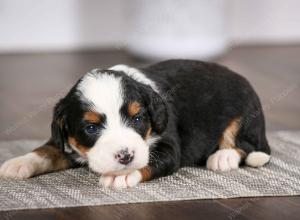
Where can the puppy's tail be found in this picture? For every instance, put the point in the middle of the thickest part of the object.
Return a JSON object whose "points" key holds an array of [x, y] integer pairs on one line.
{"points": [[257, 159]]}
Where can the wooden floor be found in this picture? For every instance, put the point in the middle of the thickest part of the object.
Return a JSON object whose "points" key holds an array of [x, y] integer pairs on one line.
{"points": [[31, 84]]}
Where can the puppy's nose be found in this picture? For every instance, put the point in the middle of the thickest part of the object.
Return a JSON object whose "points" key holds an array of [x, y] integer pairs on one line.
{"points": [[124, 157]]}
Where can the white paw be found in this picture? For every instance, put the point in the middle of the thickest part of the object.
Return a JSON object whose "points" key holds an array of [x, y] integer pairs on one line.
{"points": [[257, 159], [122, 181], [22, 167], [223, 160]]}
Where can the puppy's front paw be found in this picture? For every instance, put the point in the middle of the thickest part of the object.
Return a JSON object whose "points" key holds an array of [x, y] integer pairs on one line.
{"points": [[122, 181], [223, 160], [22, 167]]}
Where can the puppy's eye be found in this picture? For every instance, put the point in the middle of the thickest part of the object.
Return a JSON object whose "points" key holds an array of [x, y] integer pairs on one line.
{"points": [[92, 129], [137, 119]]}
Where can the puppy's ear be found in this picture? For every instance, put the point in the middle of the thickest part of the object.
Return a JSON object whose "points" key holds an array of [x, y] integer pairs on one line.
{"points": [[58, 126], [157, 111]]}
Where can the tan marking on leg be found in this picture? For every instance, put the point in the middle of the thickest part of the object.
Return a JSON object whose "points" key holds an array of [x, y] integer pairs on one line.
{"points": [[92, 117], [228, 137], [134, 108], [146, 173], [227, 140], [57, 158], [81, 148]]}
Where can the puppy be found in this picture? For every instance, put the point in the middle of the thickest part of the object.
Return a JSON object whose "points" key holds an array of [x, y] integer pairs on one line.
{"points": [[133, 125]]}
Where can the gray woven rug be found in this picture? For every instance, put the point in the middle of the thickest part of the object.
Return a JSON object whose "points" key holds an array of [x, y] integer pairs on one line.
{"points": [[79, 187]]}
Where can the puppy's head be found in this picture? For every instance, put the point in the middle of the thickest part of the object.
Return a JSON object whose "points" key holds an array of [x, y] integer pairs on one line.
{"points": [[110, 120]]}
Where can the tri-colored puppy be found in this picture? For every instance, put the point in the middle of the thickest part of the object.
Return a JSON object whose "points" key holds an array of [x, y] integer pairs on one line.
{"points": [[132, 125]]}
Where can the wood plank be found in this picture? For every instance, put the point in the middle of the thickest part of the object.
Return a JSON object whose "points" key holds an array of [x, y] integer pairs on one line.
{"points": [[264, 208], [206, 209]]}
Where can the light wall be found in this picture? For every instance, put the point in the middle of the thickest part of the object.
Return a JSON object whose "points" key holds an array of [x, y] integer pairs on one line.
{"points": [[59, 24], [38, 25], [265, 21]]}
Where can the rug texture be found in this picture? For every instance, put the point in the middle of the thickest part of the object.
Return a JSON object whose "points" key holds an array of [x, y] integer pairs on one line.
{"points": [[79, 187]]}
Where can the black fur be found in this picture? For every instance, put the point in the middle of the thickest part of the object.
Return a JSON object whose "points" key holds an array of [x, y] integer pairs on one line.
{"points": [[208, 97], [197, 101]]}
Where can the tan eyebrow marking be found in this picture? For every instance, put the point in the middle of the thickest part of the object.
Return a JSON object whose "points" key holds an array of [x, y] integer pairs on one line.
{"points": [[92, 117], [134, 108]]}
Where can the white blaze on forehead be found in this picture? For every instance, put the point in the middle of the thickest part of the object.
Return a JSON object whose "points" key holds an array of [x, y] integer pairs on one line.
{"points": [[136, 75], [104, 91]]}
